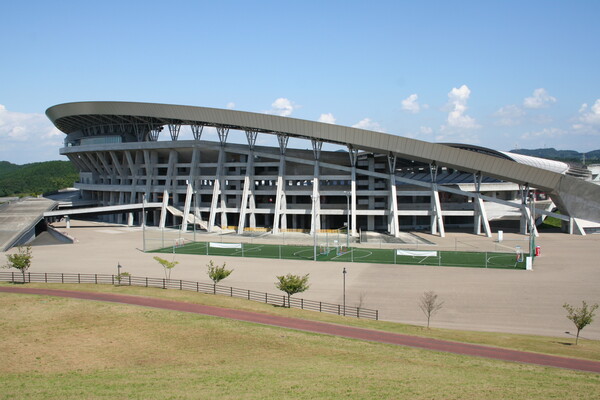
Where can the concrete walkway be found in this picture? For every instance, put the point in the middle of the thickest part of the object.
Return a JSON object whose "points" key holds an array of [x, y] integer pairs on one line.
{"points": [[327, 329]]}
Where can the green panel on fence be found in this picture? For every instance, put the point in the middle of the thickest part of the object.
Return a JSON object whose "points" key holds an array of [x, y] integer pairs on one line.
{"points": [[354, 254]]}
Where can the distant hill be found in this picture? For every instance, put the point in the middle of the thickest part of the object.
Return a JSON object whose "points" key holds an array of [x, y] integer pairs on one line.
{"points": [[591, 157], [36, 178]]}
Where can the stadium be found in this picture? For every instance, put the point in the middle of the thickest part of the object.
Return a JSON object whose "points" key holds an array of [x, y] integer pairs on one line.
{"points": [[133, 156]]}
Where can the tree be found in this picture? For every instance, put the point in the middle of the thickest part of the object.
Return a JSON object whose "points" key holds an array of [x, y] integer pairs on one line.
{"points": [[429, 304], [581, 317], [217, 274], [292, 284], [20, 260], [120, 276], [167, 266]]}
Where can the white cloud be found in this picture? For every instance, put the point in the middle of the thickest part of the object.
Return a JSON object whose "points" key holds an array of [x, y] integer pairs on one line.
{"points": [[426, 130], [510, 115], [21, 126], [327, 118], [230, 105], [28, 137], [589, 119], [282, 107], [411, 104], [368, 124], [539, 99], [457, 105], [546, 132]]}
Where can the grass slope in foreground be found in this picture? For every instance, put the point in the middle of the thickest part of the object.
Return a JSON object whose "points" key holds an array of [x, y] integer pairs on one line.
{"points": [[65, 348]]}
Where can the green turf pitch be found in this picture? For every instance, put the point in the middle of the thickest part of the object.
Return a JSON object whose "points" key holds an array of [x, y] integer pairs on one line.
{"points": [[375, 256]]}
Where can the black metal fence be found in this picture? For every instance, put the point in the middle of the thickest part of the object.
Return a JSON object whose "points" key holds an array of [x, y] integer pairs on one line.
{"points": [[263, 297]]}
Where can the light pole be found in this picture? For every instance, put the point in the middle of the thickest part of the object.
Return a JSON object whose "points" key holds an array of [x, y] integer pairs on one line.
{"points": [[344, 274]]}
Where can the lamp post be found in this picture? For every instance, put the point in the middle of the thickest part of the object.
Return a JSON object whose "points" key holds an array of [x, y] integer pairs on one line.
{"points": [[344, 274]]}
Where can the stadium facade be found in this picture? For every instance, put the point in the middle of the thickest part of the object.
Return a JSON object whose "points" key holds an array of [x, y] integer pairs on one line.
{"points": [[373, 182]]}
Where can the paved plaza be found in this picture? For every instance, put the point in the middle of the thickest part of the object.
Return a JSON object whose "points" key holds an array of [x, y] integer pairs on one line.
{"points": [[474, 299]]}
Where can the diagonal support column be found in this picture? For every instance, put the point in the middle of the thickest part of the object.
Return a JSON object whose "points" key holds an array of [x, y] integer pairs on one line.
{"points": [[197, 131], [174, 131], [163, 209], [280, 195], [393, 223], [316, 196], [186, 208], [248, 181], [480, 215], [353, 158], [437, 222], [218, 185]]}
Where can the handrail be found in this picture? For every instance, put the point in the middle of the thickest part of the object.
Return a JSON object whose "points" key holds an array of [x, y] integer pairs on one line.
{"points": [[201, 287]]}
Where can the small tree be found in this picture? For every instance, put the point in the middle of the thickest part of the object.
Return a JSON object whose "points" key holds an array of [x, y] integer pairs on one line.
{"points": [[120, 276], [167, 266], [429, 304], [292, 284], [581, 317], [217, 274], [20, 260]]}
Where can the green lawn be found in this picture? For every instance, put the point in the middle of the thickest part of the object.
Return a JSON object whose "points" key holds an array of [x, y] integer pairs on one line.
{"points": [[353, 254], [72, 349]]}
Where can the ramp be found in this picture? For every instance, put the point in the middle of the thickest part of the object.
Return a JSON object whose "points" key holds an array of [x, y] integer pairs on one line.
{"points": [[191, 218], [18, 220]]}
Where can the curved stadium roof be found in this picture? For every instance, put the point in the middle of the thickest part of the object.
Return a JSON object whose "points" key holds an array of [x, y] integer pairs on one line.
{"points": [[575, 195]]}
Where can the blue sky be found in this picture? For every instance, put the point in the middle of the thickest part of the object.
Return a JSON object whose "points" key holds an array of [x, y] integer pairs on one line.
{"points": [[498, 74]]}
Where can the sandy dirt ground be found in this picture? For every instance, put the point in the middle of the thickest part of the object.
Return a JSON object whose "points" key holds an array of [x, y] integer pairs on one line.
{"points": [[496, 300]]}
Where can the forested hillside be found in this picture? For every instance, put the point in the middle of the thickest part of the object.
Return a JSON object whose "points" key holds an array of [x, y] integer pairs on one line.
{"points": [[36, 178]]}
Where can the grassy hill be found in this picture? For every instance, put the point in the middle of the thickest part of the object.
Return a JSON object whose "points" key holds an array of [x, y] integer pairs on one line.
{"points": [[72, 349], [36, 178]]}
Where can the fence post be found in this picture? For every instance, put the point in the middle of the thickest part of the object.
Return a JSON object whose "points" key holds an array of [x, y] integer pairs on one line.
{"points": [[45, 277], [129, 280], [320, 306], [78, 278], [112, 277], [62, 277], [376, 315], [12, 277], [146, 281], [180, 284], [339, 309], [29, 276], [302, 304], [231, 291], [96, 279], [164, 287], [197, 286], [248, 294], [266, 298]]}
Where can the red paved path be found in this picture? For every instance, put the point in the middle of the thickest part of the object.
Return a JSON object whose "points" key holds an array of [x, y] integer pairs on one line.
{"points": [[325, 328]]}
